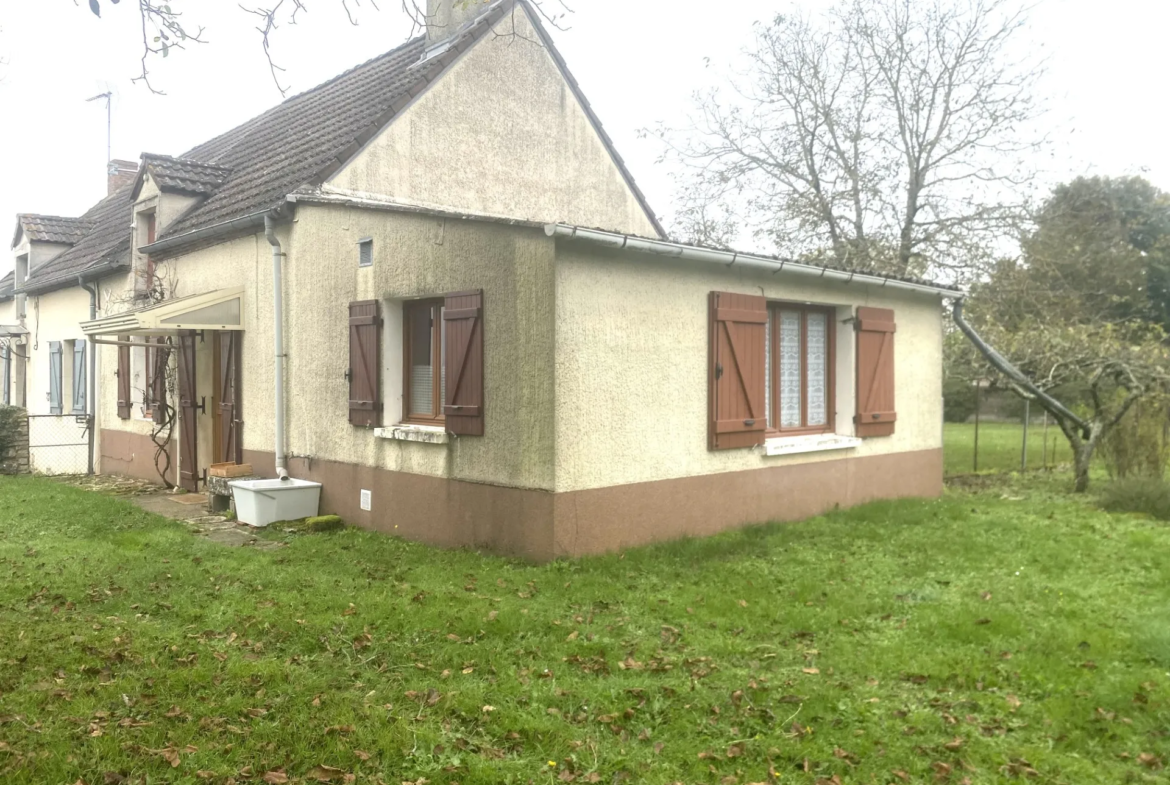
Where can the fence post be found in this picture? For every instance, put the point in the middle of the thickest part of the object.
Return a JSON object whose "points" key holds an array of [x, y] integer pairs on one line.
{"points": [[978, 388], [1024, 449]]}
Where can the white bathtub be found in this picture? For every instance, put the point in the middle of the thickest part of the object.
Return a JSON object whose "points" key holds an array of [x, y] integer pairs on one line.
{"points": [[261, 502]]}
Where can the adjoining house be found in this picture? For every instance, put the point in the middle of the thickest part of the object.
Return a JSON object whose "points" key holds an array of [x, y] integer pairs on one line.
{"points": [[432, 285]]}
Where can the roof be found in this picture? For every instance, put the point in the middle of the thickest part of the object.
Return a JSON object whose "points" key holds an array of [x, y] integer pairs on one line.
{"points": [[730, 258], [7, 286], [106, 245], [182, 175], [215, 310], [299, 143], [50, 228]]}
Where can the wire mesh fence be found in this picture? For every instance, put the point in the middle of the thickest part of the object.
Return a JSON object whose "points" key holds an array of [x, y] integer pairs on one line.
{"points": [[58, 443]]}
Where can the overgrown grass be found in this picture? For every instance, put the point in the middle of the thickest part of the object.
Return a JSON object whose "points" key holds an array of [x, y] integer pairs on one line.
{"points": [[979, 637], [1146, 495], [1000, 446]]}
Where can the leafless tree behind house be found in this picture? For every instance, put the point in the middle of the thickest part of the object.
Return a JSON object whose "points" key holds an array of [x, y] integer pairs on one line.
{"points": [[886, 134]]}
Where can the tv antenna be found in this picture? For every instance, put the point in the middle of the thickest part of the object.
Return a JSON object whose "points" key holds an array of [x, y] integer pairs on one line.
{"points": [[109, 118]]}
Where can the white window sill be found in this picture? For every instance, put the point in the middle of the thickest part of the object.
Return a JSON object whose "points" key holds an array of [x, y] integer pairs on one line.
{"points": [[820, 442], [426, 434]]}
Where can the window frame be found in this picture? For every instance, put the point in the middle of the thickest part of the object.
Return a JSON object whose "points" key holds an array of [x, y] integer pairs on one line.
{"points": [[409, 307], [773, 380]]}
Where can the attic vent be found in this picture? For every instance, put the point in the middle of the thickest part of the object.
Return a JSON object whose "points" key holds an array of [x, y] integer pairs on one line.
{"points": [[366, 253]]}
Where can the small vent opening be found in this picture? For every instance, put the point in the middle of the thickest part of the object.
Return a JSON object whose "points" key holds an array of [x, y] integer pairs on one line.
{"points": [[366, 253]]}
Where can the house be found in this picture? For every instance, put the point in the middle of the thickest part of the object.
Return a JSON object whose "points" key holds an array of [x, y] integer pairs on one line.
{"points": [[432, 285]]}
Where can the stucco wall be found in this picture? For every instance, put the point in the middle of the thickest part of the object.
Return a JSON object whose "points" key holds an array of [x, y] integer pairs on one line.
{"points": [[418, 256], [631, 367], [501, 133], [246, 262]]}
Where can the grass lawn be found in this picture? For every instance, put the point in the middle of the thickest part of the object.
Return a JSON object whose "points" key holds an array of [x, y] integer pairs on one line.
{"points": [[1005, 635], [1000, 444]]}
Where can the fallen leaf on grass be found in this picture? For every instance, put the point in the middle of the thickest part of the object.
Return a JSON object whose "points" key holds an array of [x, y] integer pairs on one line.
{"points": [[1012, 701], [954, 744], [985, 596], [1150, 761], [901, 775], [811, 671], [743, 603], [362, 754], [322, 773], [275, 777], [339, 729]]}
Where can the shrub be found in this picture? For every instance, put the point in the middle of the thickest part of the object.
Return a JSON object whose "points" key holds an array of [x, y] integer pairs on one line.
{"points": [[1139, 445], [1146, 495]]}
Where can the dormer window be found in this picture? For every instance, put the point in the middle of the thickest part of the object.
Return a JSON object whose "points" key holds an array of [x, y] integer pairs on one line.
{"points": [[146, 230]]}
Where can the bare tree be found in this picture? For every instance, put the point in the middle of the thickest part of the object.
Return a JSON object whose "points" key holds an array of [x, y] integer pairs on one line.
{"points": [[884, 134], [165, 29]]}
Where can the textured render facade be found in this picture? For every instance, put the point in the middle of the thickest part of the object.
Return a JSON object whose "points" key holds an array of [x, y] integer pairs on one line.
{"points": [[595, 380]]}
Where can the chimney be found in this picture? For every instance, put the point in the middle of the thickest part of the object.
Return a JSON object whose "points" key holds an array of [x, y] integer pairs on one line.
{"points": [[120, 174], [446, 17]]}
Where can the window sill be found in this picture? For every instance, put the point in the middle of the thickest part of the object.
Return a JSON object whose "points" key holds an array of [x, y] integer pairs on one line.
{"points": [[821, 442], [425, 434]]}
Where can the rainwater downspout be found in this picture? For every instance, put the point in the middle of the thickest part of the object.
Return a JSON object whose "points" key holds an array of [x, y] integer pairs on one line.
{"points": [[92, 392], [278, 340]]}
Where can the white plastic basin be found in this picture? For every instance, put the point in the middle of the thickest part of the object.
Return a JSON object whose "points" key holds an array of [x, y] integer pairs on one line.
{"points": [[261, 502]]}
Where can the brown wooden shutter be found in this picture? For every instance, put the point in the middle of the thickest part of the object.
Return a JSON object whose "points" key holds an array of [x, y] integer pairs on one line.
{"points": [[158, 382], [230, 424], [124, 379], [737, 362], [188, 406], [463, 325], [875, 372], [364, 333]]}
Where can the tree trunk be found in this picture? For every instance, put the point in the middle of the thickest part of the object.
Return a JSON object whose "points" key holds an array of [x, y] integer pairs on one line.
{"points": [[1082, 457]]}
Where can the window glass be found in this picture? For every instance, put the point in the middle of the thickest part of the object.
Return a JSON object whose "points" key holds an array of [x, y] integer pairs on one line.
{"points": [[817, 356], [790, 369], [422, 372]]}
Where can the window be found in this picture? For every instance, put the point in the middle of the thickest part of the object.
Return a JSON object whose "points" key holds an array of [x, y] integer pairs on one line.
{"points": [[798, 367], [147, 230], [425, 352], [366, 253]]}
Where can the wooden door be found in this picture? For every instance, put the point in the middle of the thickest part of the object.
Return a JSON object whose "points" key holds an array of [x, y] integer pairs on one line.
{"points": [[229, 424], [188, 414]]}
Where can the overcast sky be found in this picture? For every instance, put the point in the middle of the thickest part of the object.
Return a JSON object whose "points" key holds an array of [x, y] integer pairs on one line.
{"points": [[639, 63]]}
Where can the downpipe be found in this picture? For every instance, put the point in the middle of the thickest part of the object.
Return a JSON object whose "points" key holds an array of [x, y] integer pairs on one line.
{"points": [[91, 393], [278, 340]]}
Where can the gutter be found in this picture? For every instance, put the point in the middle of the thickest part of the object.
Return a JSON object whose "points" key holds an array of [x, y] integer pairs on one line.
{"points": [[92, 392], [736, 259], [252, 221], [277, 338]]}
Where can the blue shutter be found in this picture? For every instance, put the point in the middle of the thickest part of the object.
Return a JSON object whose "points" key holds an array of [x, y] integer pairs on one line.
{"points": [[79, 377], [54, 377], [7, 354]]}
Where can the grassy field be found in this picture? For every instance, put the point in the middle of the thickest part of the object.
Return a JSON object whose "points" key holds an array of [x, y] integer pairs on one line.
{"points": [[1006, 635], [1000, 445]]}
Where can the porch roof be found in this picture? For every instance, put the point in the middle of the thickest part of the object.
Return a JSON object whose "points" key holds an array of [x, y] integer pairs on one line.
{"points": [[221, 309]]}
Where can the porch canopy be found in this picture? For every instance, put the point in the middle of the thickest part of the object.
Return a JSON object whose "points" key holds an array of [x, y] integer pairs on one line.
{"points": [[220, 309]]}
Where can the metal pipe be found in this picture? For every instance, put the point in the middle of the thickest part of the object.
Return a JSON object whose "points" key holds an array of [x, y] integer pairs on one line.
{"points": [[1022, 382], [92, 393], [735, 259], [277, 340]]}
